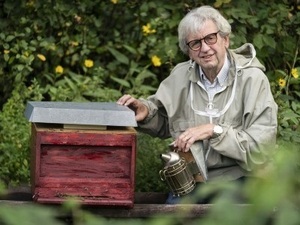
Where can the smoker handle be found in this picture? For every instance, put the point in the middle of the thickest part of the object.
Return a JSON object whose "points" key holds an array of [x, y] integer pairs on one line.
{"points": [[162, 175]]}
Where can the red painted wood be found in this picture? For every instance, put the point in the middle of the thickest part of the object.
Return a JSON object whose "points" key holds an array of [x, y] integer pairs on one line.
{"points": [[62, 182], [85, 161], [90, 202], [81, 138], [93, 192], [98, 167]]}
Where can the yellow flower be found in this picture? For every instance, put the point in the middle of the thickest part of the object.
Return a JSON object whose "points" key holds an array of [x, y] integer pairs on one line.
{"points": [[59, 69], [41, 57], [147, 29], [294, 73], [114, 1], [6, 51], [88, 63], [282, 82], [156, 60]]}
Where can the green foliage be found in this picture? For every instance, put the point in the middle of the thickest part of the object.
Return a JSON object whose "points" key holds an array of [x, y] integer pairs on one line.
{"points": [[68, 34], [122, 37], [14, 136], [272, 199], [32, 214], [99, 50], [273, 28], [149, 164]]}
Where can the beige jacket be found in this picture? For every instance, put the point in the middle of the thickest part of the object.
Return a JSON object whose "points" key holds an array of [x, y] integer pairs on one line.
{"points": [[249, 121]]}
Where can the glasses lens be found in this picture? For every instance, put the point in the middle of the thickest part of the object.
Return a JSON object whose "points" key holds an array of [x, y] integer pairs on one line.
{"points": [[211, 39], [195, 45]]}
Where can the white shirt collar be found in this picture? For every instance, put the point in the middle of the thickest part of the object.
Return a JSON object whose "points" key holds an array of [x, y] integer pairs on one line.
{"points": [[222, 75]]}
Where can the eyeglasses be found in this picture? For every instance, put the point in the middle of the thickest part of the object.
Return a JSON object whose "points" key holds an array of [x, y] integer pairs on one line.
{"points": [[209, 39]]}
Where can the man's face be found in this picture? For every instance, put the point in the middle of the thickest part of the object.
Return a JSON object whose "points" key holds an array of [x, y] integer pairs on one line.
{"points": [[210, 57]]}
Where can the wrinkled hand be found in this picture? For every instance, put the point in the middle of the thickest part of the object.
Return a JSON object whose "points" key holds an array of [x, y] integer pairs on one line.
{"points": [[141, 111], [191, 135]]}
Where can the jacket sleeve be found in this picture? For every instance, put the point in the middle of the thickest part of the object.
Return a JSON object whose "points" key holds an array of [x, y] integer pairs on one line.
{"points": [[156, 124], [164, 103], [251, 143]]}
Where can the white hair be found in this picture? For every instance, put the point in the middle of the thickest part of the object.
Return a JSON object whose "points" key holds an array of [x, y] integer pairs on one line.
{"points": [[194, 20]]}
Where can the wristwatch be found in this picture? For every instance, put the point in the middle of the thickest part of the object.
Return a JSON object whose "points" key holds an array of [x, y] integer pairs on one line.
{"points": [[217, 131]]}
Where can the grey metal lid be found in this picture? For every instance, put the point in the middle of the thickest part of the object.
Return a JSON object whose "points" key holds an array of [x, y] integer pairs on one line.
{"points": [[83, 113]]}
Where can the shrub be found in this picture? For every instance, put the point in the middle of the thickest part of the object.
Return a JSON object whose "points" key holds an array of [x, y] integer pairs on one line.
{"points": [[149, 164], [99, 50], [14, 136]]}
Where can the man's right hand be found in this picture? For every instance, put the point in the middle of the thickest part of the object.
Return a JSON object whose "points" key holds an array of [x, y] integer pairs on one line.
{"points": [[141, 111]]}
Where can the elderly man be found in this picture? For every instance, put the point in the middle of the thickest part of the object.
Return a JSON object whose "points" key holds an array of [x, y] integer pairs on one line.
{"points": [[220, 100]]}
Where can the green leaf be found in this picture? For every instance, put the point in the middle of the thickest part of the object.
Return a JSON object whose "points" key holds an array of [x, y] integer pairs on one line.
{"points": [[295, 106], [20, 67], [31, 214], [144, 74], [258, 41], [119, 56], [130, 49], [71, 84], [121, 81], [297, 93], [268, 40], [148, 88], [6, 57], [281, 72], [9, 38]]}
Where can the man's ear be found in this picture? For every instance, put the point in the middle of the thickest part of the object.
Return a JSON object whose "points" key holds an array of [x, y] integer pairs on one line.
{"points": [[226, 41]]}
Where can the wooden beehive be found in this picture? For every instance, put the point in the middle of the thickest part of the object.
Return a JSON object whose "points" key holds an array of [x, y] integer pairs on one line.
{"points": [[95, 166]]}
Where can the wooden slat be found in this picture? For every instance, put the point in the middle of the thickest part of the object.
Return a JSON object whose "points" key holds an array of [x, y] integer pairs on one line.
{"points": [[108, 138], [144, 206], [150, 210], [66, 161]]}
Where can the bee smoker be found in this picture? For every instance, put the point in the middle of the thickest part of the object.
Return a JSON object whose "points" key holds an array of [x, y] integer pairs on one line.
{"points": [[177, 174]]}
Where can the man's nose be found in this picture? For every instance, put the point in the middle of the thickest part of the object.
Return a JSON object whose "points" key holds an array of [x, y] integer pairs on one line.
{"points": [[204, 47]]}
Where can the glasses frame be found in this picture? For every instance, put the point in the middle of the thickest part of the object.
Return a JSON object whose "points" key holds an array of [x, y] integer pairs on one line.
{"points": [[205, 39]]}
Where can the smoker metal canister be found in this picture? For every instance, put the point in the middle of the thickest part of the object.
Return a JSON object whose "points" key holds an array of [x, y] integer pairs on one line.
{"points": [[176, 174]]}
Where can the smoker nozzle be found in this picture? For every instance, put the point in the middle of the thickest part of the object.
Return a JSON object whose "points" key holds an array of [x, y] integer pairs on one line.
{"points": [[170, 158]]}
